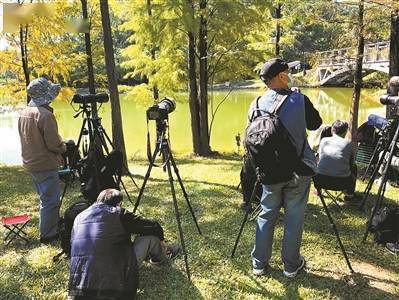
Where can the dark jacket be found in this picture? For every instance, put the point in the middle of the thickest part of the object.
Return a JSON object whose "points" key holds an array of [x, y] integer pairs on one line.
{"points": [[102, 259]]}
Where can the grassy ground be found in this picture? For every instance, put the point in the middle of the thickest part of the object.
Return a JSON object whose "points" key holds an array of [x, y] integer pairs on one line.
{"points": [[27, 272]]}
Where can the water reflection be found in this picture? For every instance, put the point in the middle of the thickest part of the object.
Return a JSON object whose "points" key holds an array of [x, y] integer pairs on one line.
{"points": [[333, 103]]}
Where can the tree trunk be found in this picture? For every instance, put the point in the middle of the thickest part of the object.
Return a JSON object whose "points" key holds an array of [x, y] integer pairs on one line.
{"points": [[203, 81], [23, 36], [117, 129], [357, 82], [193, 88], [155, 90], [394, 49], [278, 29], [89, 58]]}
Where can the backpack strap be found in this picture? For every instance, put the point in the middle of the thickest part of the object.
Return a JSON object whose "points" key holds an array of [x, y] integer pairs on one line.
{"points": [[277, 103], [255, 111]]}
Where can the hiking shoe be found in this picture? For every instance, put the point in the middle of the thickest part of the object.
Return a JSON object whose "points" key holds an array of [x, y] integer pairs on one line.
{"points": [[259, 272], [294, 273], [392, 248], [171, 252]]}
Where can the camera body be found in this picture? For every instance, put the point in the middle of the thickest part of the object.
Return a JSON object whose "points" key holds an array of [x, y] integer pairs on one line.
{"points": [[161, 110], [393, 102], [90, 98]]}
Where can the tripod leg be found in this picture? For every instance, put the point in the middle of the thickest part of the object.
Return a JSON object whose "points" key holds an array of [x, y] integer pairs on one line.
{"points": [[335, 230], [176, 170], [127, 194], [372, 179], [257, 183], [381, 189], [147, 175], [177, 213], [375, 152]]}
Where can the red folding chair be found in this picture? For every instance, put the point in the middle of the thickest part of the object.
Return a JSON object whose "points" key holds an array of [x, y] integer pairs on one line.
{"points": [[15, 226]]}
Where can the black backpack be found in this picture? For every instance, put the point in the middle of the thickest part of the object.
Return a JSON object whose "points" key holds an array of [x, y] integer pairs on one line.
{"points": [[269, 146], [65, 226], [107, 168], [385, 225]]}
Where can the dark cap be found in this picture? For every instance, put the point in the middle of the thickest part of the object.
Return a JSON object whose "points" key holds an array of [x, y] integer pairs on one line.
{"points": [[272, 67]]}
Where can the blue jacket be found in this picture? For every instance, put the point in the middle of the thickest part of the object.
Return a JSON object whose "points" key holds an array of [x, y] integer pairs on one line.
{"points": [[102, 258]]}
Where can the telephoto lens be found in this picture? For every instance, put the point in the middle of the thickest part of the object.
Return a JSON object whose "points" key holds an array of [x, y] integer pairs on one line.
{"points": [[167, 104], [90, 98], [389, 100]]}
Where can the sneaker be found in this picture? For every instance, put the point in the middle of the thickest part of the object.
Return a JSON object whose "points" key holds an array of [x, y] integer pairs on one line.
{"points": [[294, 273], [171, 252], [259, 272], [392, 248]]}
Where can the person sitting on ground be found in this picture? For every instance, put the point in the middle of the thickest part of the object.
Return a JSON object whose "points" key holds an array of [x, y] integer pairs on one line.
{"points": [[104, 261], [336, 166]]}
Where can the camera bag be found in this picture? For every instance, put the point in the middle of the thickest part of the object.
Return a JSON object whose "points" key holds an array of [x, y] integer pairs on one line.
{"points": [[385, 225], [65, 226]]}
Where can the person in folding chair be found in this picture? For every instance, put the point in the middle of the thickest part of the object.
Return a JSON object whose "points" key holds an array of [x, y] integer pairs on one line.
{"points": [[42, 147], [336, 169]]}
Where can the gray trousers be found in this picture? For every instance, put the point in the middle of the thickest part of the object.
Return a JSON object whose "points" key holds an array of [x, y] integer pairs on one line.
{"points": [[148, 246]]}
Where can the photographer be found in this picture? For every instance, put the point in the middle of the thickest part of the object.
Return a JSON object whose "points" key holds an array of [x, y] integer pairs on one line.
{"points": [[41, 152], [296, 114], [104, 261]]}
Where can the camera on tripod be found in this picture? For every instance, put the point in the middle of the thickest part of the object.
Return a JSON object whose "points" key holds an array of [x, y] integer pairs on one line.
{"points": [[161, 110], [90, 98]]}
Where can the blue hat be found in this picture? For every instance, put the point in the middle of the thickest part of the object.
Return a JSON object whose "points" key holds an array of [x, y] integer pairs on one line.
{"points": [[41, 91]]}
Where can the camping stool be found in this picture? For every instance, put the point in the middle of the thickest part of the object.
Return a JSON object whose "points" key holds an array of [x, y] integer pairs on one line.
{"points": [[334, 195], [15, 227]]}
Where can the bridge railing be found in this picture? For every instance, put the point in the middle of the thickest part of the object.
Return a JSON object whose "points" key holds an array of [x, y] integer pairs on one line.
{"points": [[373, 53]]}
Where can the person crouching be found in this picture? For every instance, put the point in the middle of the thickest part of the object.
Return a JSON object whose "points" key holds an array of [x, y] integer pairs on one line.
{"points": [[104, 261]]}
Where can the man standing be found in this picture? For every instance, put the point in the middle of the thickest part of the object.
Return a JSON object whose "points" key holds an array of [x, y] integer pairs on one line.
{"points": [[104, 261], [41, 152], [296, 114]]}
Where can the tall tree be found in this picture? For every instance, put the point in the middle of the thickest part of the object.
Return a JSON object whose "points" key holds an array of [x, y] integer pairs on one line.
{"points": [[203, 78], [278, 28], [192, 84], [117, 127], [89, 56], [357, 82]]}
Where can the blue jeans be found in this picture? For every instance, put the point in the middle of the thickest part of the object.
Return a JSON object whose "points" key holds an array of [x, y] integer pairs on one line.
{"points": [[293, 196], [48, 187]]}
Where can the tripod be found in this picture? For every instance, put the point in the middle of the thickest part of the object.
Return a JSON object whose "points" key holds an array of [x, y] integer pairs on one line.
{"points": [[162, 147], [257, 184], [247, 212], [391, 147], [96, 138], [382, 145]]}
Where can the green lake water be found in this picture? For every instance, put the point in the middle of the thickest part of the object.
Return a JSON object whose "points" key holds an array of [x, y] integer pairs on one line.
{"points": [[332, 103]]}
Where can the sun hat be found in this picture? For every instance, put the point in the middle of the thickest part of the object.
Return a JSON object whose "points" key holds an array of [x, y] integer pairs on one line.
{"points": [[41, 91]]}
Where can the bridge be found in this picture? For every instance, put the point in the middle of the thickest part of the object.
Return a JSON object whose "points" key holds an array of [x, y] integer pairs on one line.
{"points": [[337, 67]]}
